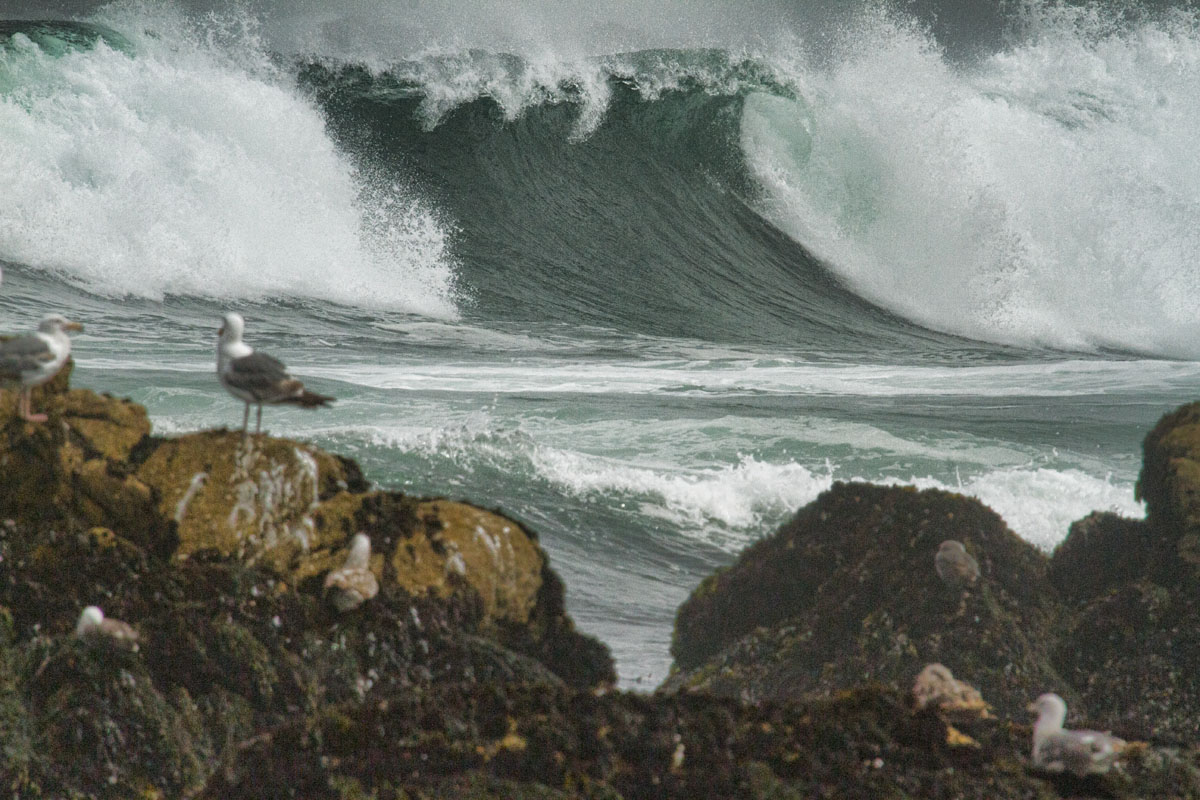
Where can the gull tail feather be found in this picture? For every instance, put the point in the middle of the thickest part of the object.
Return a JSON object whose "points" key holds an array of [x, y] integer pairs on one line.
{"points": [[307, 399]]}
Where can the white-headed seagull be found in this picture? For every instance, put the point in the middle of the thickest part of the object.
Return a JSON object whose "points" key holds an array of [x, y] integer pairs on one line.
{"points": [[254, 377], [29, 361]]}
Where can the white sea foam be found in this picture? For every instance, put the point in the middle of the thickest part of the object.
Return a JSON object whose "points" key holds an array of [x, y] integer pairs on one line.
{"points": [[192, 168], [1046, 195], [1041, 504], [663, 469], [730, 376], [732, 505]]}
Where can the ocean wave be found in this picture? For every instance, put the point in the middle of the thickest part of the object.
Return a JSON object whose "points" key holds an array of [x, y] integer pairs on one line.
{"points": [[1045, 195], [189, 166]]}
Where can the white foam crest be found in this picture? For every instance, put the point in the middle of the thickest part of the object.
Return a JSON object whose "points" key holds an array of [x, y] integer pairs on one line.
{"points": [[736, 496], [769, 376], [190, 168], [730, 506], [1047, 195], [452, 77], [455, 77], [1040, 504]]}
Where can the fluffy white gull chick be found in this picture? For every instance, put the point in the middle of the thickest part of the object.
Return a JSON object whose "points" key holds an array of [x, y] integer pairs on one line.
{"points": [[29, 361], [1078, 752], [92, 622], [955, 566], [353, 583], [257, 378], [935, 686]]}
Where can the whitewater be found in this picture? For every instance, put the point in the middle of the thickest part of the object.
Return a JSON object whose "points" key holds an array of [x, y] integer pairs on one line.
{"points": [[648, 278]]}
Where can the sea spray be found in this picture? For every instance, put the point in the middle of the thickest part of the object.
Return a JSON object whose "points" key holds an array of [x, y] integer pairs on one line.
{"points": [[1042, 196], [189, 166]]}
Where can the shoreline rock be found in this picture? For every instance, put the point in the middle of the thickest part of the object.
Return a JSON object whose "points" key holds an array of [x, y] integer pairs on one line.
{"points": [[465, 677], [847, 592]]}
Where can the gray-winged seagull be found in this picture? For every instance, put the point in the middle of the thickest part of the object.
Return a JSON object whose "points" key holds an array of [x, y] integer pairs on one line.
{"points": [[1078, 752], [30, 361], [258, 378]]}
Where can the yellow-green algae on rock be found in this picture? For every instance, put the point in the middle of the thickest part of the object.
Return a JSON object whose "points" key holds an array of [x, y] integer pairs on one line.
{"points": [[248, 496], [1170, 482], [286, 505]]}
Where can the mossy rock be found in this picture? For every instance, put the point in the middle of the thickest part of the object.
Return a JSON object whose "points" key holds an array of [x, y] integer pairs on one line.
{"points": [[1102, 552], [472, 741], [458, 553], [112, 427], [248, 496], [1170, 485], [1132, 652], [101, 728], [73, 469], [846, 591]]}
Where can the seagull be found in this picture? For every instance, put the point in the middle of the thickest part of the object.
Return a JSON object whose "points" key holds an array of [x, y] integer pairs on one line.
{"points": [[92, 622], [257, 377], [1078, 752], [955, 566], [29, 361], [354, 583]]}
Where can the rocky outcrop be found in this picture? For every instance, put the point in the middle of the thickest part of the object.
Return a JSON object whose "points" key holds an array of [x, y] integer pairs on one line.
{"points": [[215, 546], [1134, 588], [464, 676], [519, 742], [847, 592]]}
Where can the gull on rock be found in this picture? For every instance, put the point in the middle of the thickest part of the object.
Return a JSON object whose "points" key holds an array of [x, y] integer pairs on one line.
{"points": [[937, 687], [92, 622], [353, 583], [1056, 749], [955, 566], [29, 361], [254, 377]]}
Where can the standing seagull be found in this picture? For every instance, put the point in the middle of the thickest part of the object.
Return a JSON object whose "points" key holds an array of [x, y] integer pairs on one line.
{"points": [[1078, 752], [257, 377], [30, 361]]}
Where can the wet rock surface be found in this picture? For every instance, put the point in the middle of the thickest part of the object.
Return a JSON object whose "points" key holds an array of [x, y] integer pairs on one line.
{"points": [[464, 677]]}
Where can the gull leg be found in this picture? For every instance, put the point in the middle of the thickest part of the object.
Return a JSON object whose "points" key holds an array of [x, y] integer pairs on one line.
{"points": [[246, 418], [258, 425], [26, 407]]}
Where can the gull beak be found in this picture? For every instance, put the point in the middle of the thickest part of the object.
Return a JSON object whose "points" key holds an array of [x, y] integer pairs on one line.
{"points": [[73, 326], [1031, 708], [221, 331]]}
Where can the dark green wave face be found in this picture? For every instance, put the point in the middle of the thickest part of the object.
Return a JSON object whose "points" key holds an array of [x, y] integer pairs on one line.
{"points": [[56, 37], [645, 223]]}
